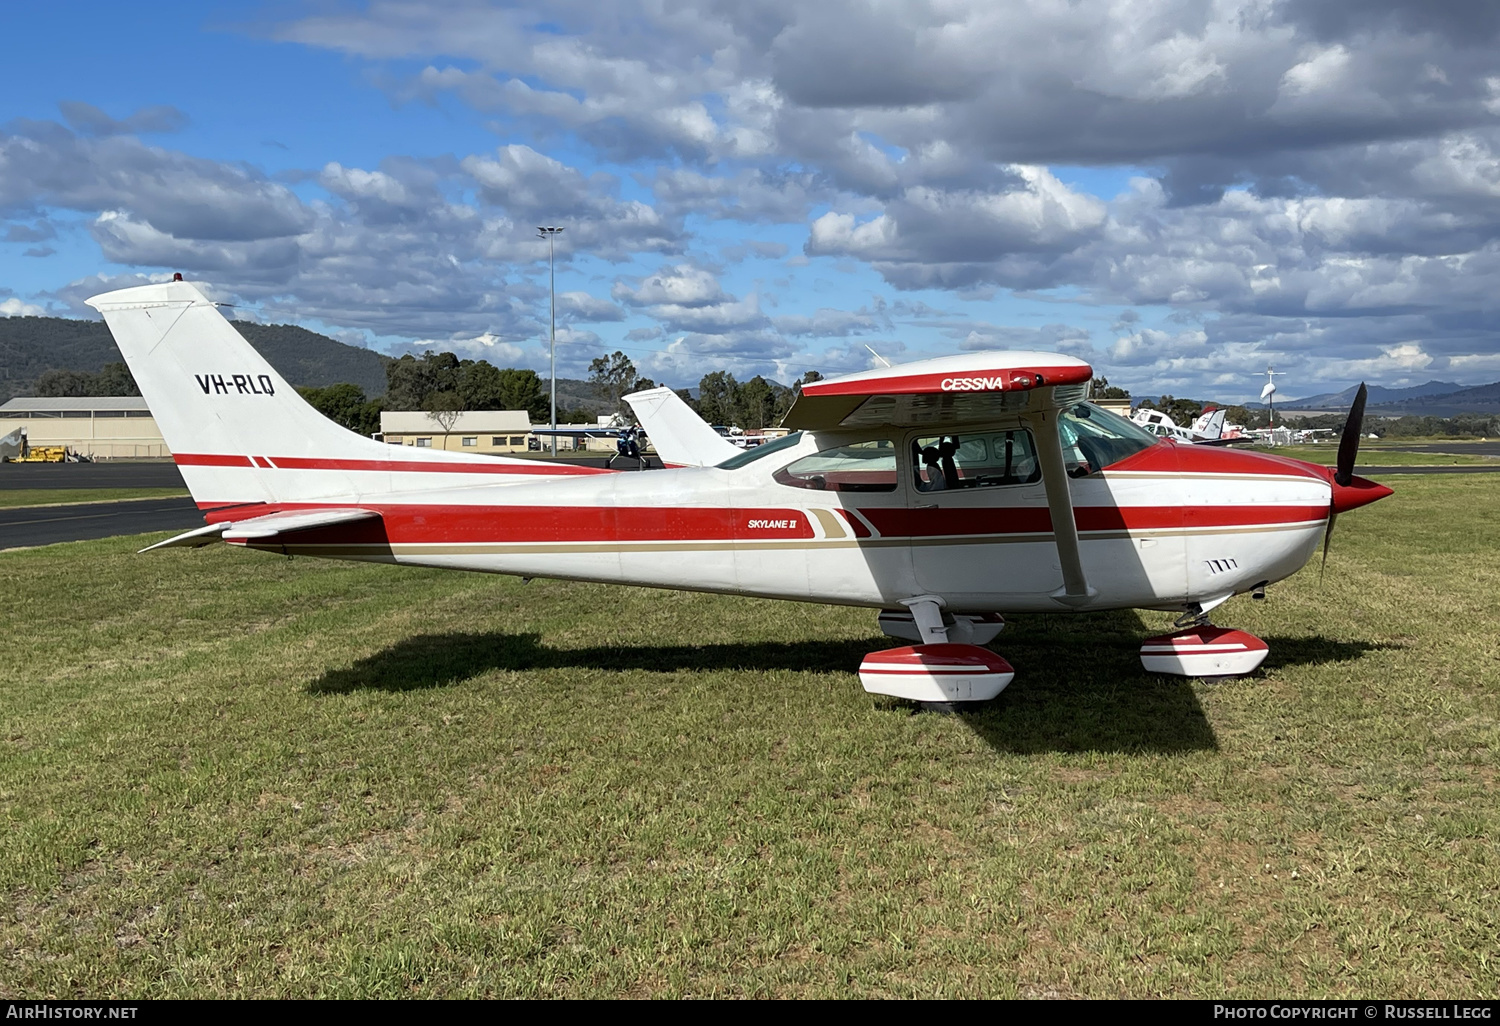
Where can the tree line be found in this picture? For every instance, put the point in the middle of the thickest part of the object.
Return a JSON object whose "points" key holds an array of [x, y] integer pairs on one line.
{"points": [[442, 385], [112, 379], [1465, 425], [1185, 411]]}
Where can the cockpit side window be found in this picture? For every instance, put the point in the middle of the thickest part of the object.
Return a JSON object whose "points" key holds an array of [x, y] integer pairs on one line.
{"points": [[1093, 438], [982, 460], [855, 467]]}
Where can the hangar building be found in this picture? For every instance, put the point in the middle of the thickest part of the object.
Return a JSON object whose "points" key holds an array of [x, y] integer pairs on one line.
{"points": [[471, 431], [105, 427]]}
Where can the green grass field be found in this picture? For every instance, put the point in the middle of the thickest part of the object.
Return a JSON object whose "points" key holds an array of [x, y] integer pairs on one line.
{"points": [[1368, 457], [227, 773], [12, 498]]}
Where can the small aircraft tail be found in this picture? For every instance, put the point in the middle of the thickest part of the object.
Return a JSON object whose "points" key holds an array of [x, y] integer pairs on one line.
{"points": [[681, 437], [13, 445], [238, 431], [1210, 425]]}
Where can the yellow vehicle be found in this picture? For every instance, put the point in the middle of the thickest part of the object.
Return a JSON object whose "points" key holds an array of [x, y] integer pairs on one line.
{"points": [[43, 454]]}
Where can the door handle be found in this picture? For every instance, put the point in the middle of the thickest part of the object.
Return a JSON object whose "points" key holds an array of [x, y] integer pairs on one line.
{"points": [[926, 505]]}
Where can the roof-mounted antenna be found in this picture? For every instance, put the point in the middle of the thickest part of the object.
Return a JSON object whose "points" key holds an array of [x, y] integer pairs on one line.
{"points": [[877, 356]]}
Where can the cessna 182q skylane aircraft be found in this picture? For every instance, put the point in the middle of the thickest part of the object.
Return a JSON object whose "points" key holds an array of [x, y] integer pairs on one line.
{"points": [[946, 493]]}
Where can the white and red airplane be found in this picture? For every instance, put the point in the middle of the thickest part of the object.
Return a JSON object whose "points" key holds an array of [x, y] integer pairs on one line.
{"points": [[1210, 428], [945, 493]]}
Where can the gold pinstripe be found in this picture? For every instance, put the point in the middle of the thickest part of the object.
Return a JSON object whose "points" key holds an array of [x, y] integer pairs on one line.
{"points": [[544, 548], [831, 526]]}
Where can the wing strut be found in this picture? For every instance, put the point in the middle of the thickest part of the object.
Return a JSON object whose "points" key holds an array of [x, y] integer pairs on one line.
{"points": [[1075, 590]]}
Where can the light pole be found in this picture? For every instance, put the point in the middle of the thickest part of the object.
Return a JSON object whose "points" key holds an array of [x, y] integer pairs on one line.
{"points": [[550, 234]]}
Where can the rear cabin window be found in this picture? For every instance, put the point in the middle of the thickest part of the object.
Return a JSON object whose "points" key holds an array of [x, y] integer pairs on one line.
{"points": [[856, 467], [760, 452], [984, 460]]}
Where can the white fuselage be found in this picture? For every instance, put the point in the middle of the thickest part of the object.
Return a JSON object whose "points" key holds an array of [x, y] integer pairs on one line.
{"points": [[1152, 534]]}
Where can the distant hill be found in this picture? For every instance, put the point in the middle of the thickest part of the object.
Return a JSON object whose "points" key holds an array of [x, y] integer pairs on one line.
{"points": [[1434, 399], [1483, 399], [30, 346], [1377, 394], [306, 358], [576, 394]]}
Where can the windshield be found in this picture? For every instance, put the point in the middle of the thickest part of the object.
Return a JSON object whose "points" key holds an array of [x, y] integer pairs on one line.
{"points": [[1093, 438], [738, 460]]}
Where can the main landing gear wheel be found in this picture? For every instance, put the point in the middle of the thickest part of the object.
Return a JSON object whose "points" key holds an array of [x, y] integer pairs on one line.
{"points": [[942, 676], [1204, 651], [947, 671]]}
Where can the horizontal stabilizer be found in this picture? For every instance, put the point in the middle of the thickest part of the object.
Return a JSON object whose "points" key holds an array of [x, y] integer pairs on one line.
{"points": [[276, 525], [194, 539], [260, 529]]}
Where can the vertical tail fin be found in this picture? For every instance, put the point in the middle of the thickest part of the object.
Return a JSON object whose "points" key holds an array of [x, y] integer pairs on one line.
{"points": [[220, 406], [1210, 425], [680, 436], [242, 434], [13, 445]]}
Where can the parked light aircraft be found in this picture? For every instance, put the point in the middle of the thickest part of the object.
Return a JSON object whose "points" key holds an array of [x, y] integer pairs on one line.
{"points": [[946, 493], [1208, 429], [13, 445]]}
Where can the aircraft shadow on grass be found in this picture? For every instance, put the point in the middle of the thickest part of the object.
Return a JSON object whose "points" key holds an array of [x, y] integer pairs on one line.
{"points": [[1079, 686]]}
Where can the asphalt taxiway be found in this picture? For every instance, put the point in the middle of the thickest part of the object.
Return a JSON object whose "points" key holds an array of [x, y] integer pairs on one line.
{"points": [[91, 475], [48, 525]]}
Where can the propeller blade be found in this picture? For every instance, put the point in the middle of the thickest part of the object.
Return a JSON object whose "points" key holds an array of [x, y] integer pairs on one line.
{"points": [[1327, 537], [1349, 447]]}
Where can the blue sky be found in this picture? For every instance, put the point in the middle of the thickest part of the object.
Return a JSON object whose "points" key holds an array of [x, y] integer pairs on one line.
{"points": [[1182, 192]]}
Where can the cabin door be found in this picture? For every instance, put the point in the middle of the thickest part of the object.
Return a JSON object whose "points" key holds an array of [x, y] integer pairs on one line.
{"points": [[979, 528]]}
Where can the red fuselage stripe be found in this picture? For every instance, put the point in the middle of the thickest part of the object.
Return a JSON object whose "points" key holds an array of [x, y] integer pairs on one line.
{"points": [[188, 459], [926, 523], [434, 524]]}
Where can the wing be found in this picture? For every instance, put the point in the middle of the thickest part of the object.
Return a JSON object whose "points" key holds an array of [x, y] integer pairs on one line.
{"points": [[681, 437], [969, 388], [578, 431]]}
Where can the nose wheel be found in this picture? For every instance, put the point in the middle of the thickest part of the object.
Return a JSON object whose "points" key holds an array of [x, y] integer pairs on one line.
{"points": [[1204, 650]]}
